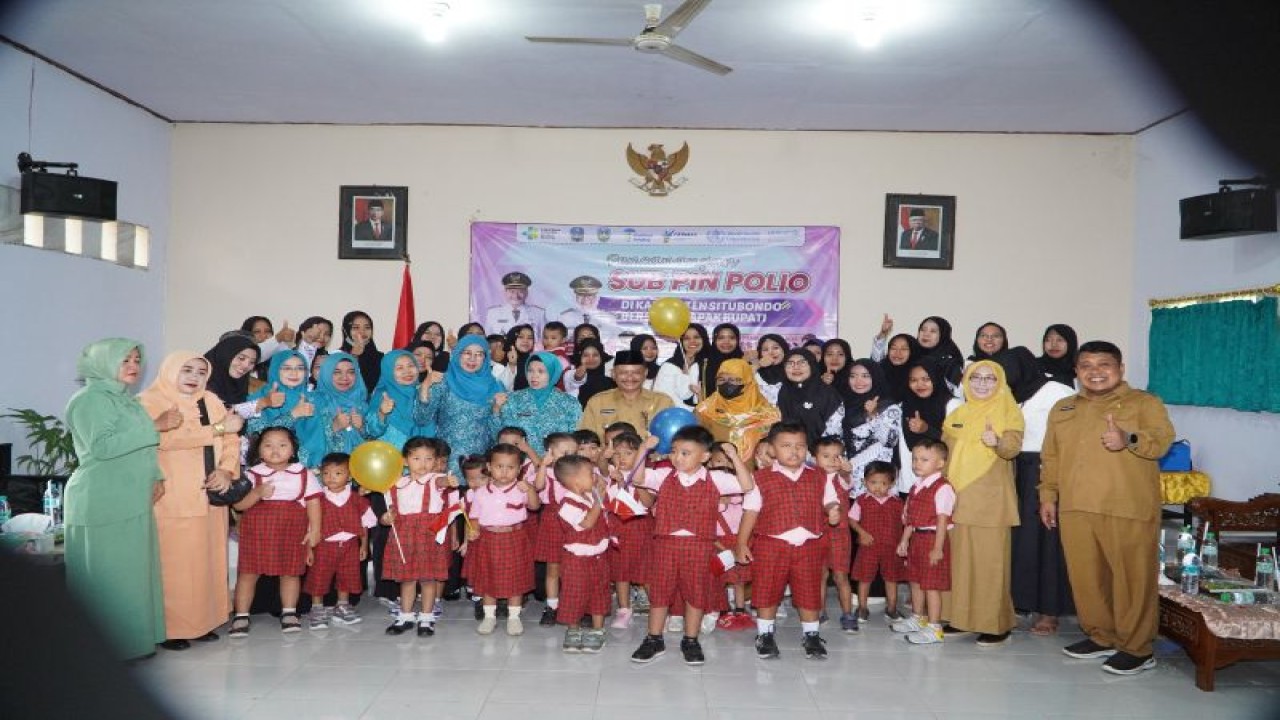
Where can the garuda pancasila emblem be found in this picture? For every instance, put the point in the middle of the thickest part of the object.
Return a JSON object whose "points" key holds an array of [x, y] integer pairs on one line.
{"points": [[658, 169]]}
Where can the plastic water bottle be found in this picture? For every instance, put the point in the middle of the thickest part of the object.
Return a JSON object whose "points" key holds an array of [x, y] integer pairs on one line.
{"points": [[1265, 574], [1186, 541], [4, 509], [1191, 574], [53, 503], [1209, 553]]}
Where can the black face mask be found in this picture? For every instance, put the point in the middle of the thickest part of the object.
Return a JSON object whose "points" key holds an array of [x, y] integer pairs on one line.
{"points": [[729, 391]]}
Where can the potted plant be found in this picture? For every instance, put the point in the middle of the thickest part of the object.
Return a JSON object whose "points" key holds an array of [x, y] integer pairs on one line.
{"points": [[51, 457]]}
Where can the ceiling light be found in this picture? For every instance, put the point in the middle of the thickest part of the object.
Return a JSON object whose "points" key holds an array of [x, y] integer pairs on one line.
{"points": [[435, 21]]}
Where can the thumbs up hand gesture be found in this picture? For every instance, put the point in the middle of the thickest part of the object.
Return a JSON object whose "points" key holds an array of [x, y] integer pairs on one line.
{"points": [[989, 437], [387, 405], [304, 408], [275, 398], [1114, 439], [916, 424], [286, 334]]}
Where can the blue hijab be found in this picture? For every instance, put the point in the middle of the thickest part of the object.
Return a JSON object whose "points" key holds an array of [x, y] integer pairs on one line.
{"points": [[329, 399], [292, 395], [554, 369], [479, 387], [401, 417]]}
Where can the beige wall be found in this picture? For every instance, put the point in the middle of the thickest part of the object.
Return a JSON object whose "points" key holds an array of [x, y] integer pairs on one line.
{"points": [[1044, 222]]}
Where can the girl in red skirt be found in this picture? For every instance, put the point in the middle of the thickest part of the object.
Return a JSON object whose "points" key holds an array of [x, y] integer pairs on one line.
{"points": [[503, 551], [831, 460], [549, 545], [630, 522], [278, 529], [418, 506]]}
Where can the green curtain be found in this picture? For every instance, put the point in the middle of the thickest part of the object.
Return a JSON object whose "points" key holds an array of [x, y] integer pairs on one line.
{"points": [[1217, 354]]}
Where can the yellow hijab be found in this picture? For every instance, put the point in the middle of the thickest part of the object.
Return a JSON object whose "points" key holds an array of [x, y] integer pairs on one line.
{"points": [[747, 417], [962, 430]]}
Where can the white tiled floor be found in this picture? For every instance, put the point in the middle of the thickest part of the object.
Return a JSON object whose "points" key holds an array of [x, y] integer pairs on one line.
{"points": [[359, 672]]}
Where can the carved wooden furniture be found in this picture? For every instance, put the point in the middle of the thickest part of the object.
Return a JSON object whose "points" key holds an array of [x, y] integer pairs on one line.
{"points": [[1260, 514]]}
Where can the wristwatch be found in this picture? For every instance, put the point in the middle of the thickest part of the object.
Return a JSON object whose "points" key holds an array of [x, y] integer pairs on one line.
{"points": [[1133, 439], [219, 429]]}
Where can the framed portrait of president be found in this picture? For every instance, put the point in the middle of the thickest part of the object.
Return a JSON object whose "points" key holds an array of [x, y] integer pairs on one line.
{"points": [[919, 231], [372, 222]]}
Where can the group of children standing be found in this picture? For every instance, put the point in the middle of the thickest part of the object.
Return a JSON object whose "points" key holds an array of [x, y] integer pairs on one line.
{"points": [[693, 528]]}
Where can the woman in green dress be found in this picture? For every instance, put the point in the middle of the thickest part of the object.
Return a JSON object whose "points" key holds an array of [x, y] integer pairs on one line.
{"points": [[112, 556]]}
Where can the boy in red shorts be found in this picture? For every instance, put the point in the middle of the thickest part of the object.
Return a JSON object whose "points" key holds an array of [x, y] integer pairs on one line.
{"points": [[782, 534], [924, 544], [876, 516]]}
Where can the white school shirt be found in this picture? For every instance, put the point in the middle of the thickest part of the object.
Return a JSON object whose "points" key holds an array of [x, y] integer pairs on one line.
{"points": [[574, 516], [410, 493], [796, 536], [288, 482]]}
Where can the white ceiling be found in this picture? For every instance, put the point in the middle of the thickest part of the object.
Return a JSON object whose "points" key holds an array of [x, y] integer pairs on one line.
{"points": [[963, 65]]}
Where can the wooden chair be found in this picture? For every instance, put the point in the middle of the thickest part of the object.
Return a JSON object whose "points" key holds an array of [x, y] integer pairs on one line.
{"points": [[1260, 514]]}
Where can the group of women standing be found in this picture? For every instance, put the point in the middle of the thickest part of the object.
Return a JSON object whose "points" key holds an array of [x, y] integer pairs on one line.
{"points": [[148, 550]]}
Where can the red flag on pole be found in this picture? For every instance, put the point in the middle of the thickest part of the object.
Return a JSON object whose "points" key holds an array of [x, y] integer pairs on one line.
{"points": [[405, 324]]}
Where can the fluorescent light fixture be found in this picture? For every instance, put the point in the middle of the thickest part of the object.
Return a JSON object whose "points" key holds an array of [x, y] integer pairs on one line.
{"points": [[141, 246], [33, 230], [73, 239]]}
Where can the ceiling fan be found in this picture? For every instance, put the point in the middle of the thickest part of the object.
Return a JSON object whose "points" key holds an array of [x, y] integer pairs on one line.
{"points": [[657, 36]]}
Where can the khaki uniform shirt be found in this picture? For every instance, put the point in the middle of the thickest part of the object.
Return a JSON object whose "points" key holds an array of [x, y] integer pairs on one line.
{"points": [[608, 407]]}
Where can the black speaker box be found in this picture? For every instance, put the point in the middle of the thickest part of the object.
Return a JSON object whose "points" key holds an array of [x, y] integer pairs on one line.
{"points": [[1232, 212], [69, 195]]}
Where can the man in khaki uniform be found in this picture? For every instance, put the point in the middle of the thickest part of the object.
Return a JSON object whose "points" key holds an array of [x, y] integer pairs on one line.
{"points": [[1100, 480], [629, 402]]}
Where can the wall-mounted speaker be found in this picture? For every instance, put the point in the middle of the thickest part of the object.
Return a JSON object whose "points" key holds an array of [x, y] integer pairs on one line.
{"points": [[70, 195], [1227, 213]]}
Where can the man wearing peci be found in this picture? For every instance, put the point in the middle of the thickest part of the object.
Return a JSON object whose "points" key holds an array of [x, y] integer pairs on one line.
{"points": [[586, 297], [375, 228], [918, 236], [516, 311]]}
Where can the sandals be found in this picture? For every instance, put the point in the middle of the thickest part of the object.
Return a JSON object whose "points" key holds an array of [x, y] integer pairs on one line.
{"points": [[239, 627], [1045, 626], [290, 623]]}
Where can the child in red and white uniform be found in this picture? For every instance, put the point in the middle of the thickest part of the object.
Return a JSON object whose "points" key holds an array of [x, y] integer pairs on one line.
{"points": [[549, 542], [584, 563], [782, 532], [419, 506], [876, 516], [684, 537], [630, 522], [503, 556], [924, 544], [829, 454], [345, 517], [472, 467], [279, 527]]}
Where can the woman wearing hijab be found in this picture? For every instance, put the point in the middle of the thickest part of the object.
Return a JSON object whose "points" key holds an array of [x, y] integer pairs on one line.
{"points": [[647, 346], [357, 339], [389, 415], [934, 336], [872, 420], [230, 363], [432, 333], [990, 340], [1058, 362], [340, 400], [983, 436], [681, 376], [902, 351], [737, 412], [539, 409], [284, 400], [590, 371], [726, 344], [193, 533], [805, 399], [1040, 582], [924, 408], [519, 345], [462, 406], [112, 550], [836, 355]]}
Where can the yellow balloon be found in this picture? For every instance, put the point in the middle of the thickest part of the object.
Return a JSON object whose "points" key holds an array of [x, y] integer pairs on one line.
{"points": [[376, 465], [669, 316]]}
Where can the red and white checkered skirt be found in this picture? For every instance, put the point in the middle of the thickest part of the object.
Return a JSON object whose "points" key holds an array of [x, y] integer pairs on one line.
{"points": [[881, 557], [840, 556], [929, 577], [681, 567], [503, 566], [778, 563], [424, 558], [340, 559], [272, 533], [630, 557], [549, 532], [584, 587]]}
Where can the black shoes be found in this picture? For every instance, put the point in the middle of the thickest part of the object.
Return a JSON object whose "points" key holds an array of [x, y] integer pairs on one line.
{"points": [[951, 631], [426, 628], [400, 627], [652, 648], [691, 649], [175, 644], [479, 609], [548, 617], [1087, 649], [210, 636], [767, 647], [1122, 663], [990, 640], [814, 646]]}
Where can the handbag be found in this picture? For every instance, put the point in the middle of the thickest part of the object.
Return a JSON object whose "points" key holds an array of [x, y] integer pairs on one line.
{"points": [[238, 488], [1178, 459]]}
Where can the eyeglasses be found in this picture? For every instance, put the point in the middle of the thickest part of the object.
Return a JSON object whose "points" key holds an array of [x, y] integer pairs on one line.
{"points": [[798, 362], [983, 379]]}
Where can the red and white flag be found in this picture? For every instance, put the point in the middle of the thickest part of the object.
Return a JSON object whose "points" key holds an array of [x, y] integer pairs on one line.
{"points": [[625, 505], [722, 562], [405, 324], [441, 526]]}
